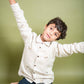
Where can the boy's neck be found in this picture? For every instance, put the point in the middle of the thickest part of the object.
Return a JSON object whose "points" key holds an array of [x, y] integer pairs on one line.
{"points": [[41, 36]]}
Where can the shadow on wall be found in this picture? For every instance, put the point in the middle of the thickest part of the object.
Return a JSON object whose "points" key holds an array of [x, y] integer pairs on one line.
{"points": [[10, 56]]}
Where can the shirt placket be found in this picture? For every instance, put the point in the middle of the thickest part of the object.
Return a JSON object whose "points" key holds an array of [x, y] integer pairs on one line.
{"points": [[35, 67]]}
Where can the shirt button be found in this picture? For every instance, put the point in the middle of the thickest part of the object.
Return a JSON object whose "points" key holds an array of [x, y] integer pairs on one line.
{"points": [[37, 56], [34, 65], [39, 47]]}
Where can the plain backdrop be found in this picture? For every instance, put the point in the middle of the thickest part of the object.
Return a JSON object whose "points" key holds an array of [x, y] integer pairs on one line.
{"points": [[68, 70]]}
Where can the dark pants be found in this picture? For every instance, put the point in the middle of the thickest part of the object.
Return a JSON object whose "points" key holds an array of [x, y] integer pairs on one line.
{"points": [[24, 81]]}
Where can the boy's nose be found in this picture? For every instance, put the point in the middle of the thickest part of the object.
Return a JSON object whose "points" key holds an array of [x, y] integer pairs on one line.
{"points": [[51, 33]]}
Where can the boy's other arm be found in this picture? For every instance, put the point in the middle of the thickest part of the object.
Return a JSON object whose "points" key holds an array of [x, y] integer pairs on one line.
{"points": [[69, 49], [25, 30]]}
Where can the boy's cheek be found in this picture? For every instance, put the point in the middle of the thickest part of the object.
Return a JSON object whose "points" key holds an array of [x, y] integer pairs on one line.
{"points": [[54, 38]]}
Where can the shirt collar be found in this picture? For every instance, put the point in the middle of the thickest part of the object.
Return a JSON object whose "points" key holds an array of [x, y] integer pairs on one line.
{"points": [[38, 40]]}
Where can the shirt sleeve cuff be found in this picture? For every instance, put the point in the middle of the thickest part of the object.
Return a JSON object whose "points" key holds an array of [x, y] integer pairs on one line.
{"points": [[15, 7]]}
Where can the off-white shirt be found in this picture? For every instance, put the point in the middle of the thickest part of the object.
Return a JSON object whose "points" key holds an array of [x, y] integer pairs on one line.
{"points": [[38, 57]]}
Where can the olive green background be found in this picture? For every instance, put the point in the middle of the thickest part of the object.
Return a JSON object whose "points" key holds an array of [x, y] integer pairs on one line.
{"points": [[68, 70]]}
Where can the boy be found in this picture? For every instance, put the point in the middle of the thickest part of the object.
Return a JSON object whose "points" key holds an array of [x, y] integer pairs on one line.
{"points": [[40, 51]]}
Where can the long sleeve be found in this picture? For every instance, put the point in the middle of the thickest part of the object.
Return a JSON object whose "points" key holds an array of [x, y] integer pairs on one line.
{"points": [[23, 26], [68, 49]]}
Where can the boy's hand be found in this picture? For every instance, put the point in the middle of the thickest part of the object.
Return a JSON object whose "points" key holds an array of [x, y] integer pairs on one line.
{"points": [[14, 83], [12, 2]]}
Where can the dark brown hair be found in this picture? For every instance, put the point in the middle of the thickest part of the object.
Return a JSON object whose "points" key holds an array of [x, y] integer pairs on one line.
{"points": [[60, 25]]}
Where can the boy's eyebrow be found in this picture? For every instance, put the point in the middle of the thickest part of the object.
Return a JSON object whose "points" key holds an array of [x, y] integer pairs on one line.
{"points": [[54, 26]]}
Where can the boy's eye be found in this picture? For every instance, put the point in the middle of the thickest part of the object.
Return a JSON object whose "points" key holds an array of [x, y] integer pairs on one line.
{"points": [[55, 34], [51, 28]]}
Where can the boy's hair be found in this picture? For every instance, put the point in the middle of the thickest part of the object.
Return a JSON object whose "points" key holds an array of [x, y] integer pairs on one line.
{"points": [[60, 25]]}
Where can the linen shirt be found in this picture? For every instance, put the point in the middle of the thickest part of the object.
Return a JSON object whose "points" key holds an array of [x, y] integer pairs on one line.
{"points": [[38, 56]]}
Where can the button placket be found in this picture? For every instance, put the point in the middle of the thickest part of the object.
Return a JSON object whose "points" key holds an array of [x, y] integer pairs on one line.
{"points": [[40, 45], [35, 66], [35, 60], [34, 72], [34, 75]]}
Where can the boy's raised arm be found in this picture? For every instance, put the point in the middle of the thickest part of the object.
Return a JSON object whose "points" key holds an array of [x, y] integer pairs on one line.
{"points": [[12, 2], [25, 30]]}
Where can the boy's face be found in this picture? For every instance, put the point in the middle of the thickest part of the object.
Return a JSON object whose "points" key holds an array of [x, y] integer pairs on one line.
{"points": [[50, 33]]}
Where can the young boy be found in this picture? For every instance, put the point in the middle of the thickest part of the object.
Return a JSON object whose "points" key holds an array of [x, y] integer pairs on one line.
{"points": [[40, 51]]}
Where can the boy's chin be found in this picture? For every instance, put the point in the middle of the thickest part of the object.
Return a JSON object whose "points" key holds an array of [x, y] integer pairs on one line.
{"points": [[47, 40]]}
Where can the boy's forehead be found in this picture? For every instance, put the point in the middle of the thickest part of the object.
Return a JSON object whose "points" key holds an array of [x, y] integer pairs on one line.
{"points": [[52, 25]]}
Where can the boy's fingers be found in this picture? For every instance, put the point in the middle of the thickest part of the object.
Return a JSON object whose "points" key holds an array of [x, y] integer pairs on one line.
{"points": [[14, 83], [12, 2]]}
